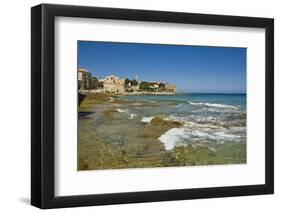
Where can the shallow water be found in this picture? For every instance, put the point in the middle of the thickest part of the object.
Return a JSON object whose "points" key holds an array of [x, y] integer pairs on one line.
{"points": [[206, 117], [212, 131]]}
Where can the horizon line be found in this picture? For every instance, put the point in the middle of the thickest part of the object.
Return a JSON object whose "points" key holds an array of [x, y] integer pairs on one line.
{"points": [[218, 93]]}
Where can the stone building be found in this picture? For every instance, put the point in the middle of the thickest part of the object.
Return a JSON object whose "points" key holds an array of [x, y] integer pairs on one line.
{"points": [[84, 79], [154, 87], [113, 84], [170, 88], [135, 87]]}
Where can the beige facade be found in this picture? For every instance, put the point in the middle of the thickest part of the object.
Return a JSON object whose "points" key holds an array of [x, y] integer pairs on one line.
{"points": [[113, 84], [136, 87], [170, 88], [84, 79]]}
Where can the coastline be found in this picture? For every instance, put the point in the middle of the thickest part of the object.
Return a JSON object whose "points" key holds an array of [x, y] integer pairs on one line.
{"points": [[127, 93], [116, 132]]}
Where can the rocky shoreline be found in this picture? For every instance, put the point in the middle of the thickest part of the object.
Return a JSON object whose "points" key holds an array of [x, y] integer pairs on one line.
{"points": [[112, 136]]}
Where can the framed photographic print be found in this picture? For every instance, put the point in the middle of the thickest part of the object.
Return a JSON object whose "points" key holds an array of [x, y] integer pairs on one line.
{"points": [[139, 106]]}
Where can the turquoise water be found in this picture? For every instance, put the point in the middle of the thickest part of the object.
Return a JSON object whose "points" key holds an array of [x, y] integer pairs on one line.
{"points": [[218, 118], [238, 100], [206, 129]]}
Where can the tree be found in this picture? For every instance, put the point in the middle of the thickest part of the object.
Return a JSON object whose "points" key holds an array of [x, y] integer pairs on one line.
{"points": [[100, 85], [94, 83], [134, 82], [144, 85], [161, 87], [127, 82]]}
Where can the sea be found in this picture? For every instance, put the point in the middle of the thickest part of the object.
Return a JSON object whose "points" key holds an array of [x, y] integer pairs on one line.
{"points": [[205, 118]]}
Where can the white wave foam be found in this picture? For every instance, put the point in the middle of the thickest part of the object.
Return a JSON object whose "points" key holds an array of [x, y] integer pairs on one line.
{"points": [[214, 105], [132, 115], [197, 133], [225, 136], [187, 123], [125, 111], [218, 136], [173, 137], [122, 110], [238, 128], [177, 136], [147, 119]]}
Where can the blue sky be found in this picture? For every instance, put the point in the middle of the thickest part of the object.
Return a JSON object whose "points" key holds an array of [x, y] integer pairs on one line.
{"points": [[190, 68]]}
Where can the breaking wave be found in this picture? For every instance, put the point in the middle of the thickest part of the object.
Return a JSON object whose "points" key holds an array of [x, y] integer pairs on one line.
{"points": [[147, 119], [178, 137], [132, 115], [172, 138], [125, 111], [122, 110], [214, 105]]}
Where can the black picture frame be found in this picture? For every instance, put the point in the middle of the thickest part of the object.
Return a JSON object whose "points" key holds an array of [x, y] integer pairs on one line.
{"points": [[43, 102]]}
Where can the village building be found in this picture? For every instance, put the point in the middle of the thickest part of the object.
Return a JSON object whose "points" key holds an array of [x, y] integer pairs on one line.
{"points": [[154, 87], [132, 87], [135, 88], [84, 79], [170, 88], [113, 84]]}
